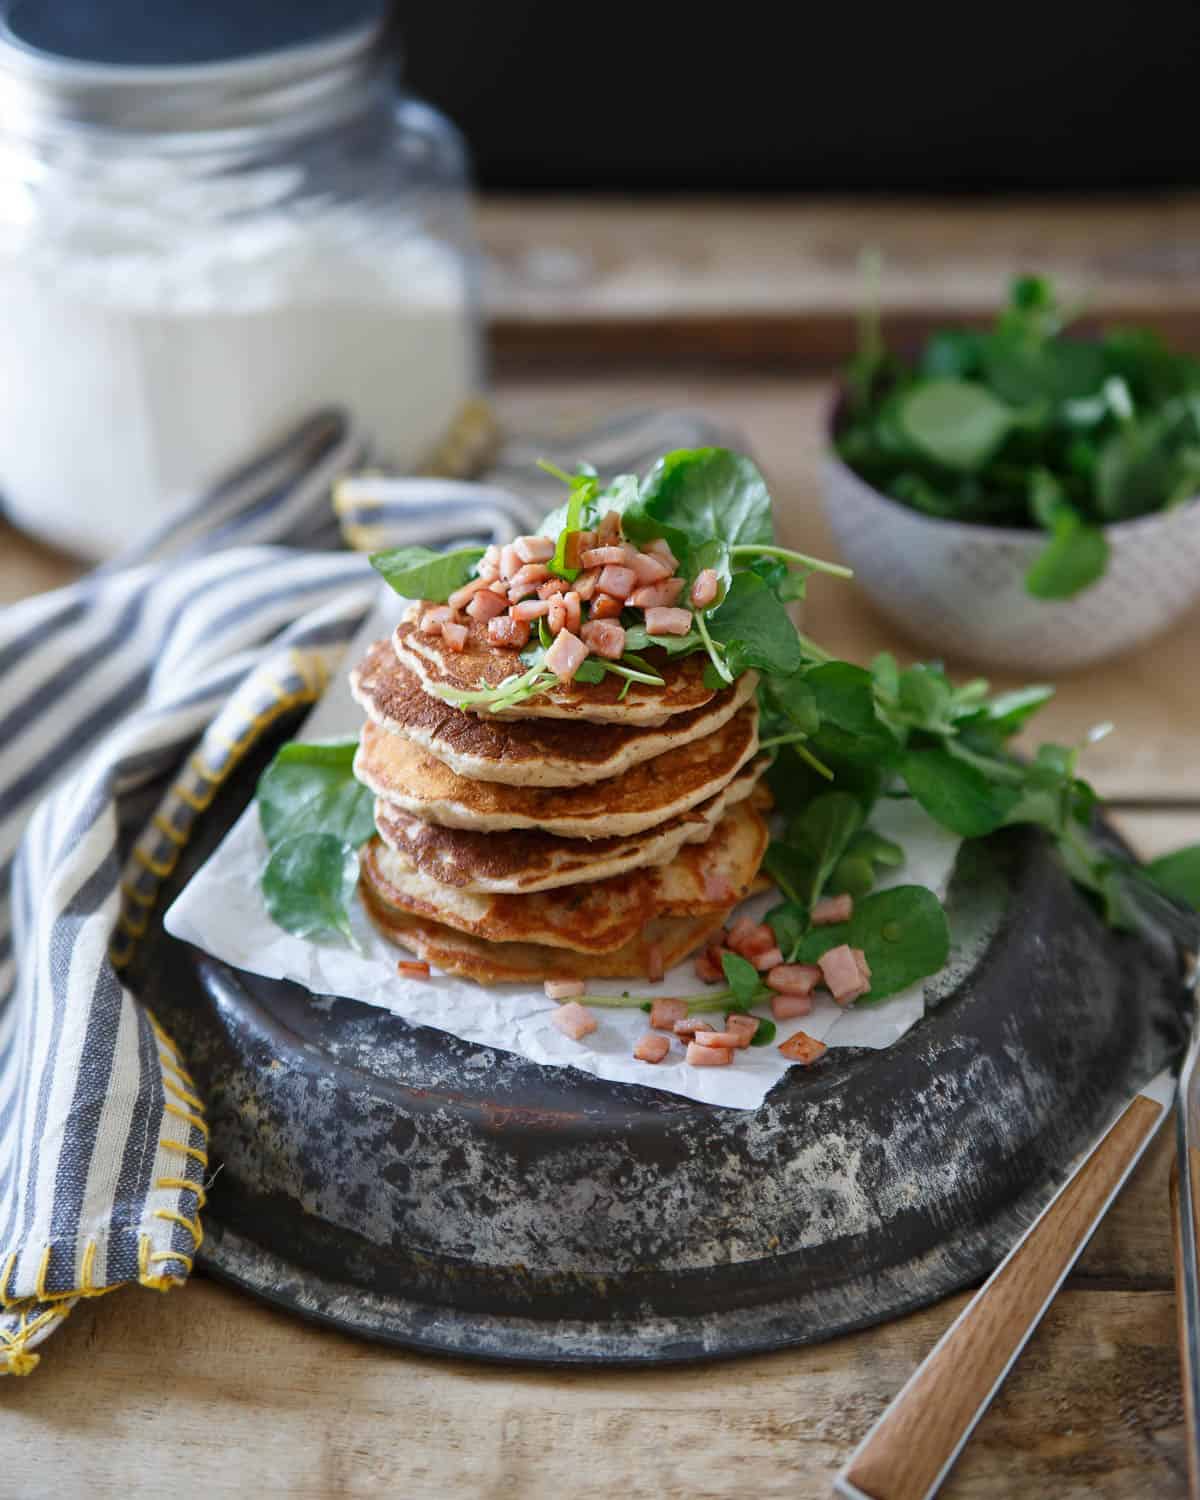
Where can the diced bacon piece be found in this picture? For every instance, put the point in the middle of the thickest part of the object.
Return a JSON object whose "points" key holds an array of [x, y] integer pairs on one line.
{"points": [[563, 989], [531, 573], [574, 1020], [662, 621], [655, 968], [605, 607], [743, 1026], [718, 888], [534, 549], [500, 588], [666, 1011], [649, 569], [509, 561], [521, 591], [726, 1038], [606, 638], [705, 589], [833, 909], [597, 557], [802, 1048], [742, 931], [551, 586], [488, 572], [486, 606], [574, 608], [573, 550], [460, 597], [490, 558], [587, 540], [652, 1048], [690, 1025], [794, 979], [790, 1007], [759, 941], [505, 631], [455, 635], [767, 960], [433, 619], [706, 969], [657, 595], [841, 973], [701, 1056], [411, 968], [659, 548], [617, 581], [530, 609], [556, 615], [585, 584], [609, 530], [566, 655]]}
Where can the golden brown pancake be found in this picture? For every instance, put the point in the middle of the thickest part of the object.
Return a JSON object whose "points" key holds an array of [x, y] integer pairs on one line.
{"points": [[442, 672], [408, 778], [526, 752], [528, 860], [715, 875]]}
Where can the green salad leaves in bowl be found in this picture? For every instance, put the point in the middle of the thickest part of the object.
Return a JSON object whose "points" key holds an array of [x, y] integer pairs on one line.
{"points": [[1023, 496]]}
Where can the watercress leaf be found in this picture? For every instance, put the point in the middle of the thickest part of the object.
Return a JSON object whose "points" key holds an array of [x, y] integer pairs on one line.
{"points": [[755, 629], [1074, 558], [852, 875], [742, 978], [956, 794], [792, 870], [1047, 498], [873, 846], [821, 832], [958, 424], [903, 931], [1007, 713], [308, 884], [637, 638], [1178, 874], [1135, 468], [590, 671], [765, 1034], [311, 788], [789, 921], [926, 694], [951, 352], [418, 573], [702, 494], [850, 727], [791, 700], [885, 673]]}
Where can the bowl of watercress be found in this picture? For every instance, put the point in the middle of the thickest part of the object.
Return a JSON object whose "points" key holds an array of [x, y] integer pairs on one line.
{"points": [[1024, 497]]}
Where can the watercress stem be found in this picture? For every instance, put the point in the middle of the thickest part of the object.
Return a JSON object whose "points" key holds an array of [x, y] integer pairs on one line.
{"points": [[817, 564], [714, 652]]}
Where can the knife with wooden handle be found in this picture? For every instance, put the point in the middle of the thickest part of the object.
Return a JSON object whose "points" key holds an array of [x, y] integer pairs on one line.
{"points": [[910, 1450], [1185, 1211]]}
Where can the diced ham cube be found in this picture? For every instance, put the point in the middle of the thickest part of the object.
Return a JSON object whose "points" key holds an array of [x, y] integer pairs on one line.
{"points": [[563, 989], [605, 638], [742, 1026], [657, 595], [573, 550], [758, 941], [768, 959], [519, 592], [652, 1048], [666, 1011], [550, 587], [708, 1057], [486, 606], [833, 909], [663, 621], [530, 609], [605, 607], [732, 1039], [460, 597], [566, 655], [500, 588], [509, 561], [841, 972], [587, 540], [412, 969], [556, 615], [487, 572], [617, 581], [659, 548], [608, 533], [490, 558], [690, 1025], [534, 549], [531, 573], [505, 631], [649, 569], [433, 619], [574, 1020], [706, 969], [585, 584], [742, 930], [574, 608], [790, 1007], [598, 557], [455, 635], [794, 979], [802, 1048], [705, 589]]}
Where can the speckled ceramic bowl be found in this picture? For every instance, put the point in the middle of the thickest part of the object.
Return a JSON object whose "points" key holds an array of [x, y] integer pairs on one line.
{"points": [[960, 589]]}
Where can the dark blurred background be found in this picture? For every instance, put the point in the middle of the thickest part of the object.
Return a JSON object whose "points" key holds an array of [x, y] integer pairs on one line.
{"points": [[850, 97]]}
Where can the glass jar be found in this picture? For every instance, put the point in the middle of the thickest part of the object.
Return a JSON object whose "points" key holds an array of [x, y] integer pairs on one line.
{"points": [[198, 247]]}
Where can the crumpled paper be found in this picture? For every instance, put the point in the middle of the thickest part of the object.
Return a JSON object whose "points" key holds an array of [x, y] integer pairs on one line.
{"points": [[221, 911]]}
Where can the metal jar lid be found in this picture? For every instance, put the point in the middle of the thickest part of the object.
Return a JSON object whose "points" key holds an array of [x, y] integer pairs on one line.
{"points": [[176, 67]]}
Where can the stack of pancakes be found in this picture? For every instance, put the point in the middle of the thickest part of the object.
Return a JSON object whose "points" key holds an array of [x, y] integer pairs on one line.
{"points": [[581, 834]]}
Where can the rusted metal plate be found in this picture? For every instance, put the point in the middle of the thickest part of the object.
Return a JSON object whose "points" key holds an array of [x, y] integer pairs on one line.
{"points": [[414, 1188]]}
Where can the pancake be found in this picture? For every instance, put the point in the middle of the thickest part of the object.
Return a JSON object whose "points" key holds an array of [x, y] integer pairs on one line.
{"points": [[710, 877], [527, 860], [525, 753], [594, 918], [442, 672], [408, 778], [663, 943]]}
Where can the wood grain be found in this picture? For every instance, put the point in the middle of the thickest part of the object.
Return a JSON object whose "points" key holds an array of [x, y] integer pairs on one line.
{"points": [[920, 1434]]}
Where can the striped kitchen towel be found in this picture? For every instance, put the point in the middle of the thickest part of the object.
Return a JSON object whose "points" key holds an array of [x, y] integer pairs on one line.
{"points": [[164, 666]]}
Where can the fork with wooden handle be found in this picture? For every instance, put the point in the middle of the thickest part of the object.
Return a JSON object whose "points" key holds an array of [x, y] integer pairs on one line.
{"points": [[910, 1450], [1185, 1211]]}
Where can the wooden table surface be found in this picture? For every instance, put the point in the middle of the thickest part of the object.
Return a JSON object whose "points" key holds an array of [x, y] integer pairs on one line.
{"points": [[205, 1392]]}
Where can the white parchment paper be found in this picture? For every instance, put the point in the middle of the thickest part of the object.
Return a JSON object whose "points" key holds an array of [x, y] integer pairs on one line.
{"points": [[222, 912]]}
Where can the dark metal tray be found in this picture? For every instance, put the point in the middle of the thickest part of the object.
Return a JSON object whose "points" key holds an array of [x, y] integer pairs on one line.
{"points": [[409, 1187]]}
